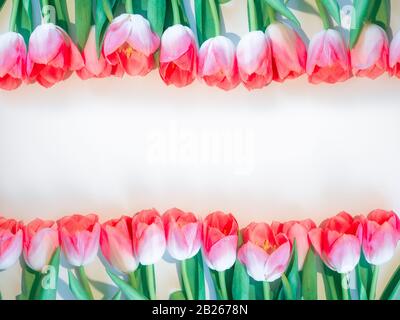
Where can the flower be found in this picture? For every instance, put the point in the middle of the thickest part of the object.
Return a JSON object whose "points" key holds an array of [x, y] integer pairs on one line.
{"points": [[178, 56], [11, 238], [129, 44], [381, 233], [79, 236], [183, 233], [289, 53], [370, 55], [328, 58], [52, 55], [117, 244], [394, 56], [296, 230], [338, 242], [254, 60], [265, 254], [220, 238], [218, 64], [12, 60], [148, 236]]}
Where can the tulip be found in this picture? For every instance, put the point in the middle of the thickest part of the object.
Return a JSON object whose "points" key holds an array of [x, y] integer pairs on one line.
{"points": [[328, 58], [254, 60], [79, 236], [178, 56], [148, 236], [297, 231], [265, 254], [12, 60], [381, 233], [218, 64], [220, 238], [369, 57], [117, 246], [11, 238], [40, 243], [52, 55], [130, 44], [394, 56], [183, 234], [289, 53], [338, 242]]}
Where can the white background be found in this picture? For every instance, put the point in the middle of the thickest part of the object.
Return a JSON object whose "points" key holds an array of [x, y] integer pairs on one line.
{"points": [[112, 146]]}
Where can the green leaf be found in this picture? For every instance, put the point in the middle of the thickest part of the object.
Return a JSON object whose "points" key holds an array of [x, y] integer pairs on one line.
{"points": [[205, 24], [195, 270], [76, 287], [332, 282], [241, 282], [332, 6], [62, 17], [127, 290], [177, 295], [2, 2], [287, 288], [47, 287], [392, 289], [29, 282], [363, 278], [309, 284], [382, 15], [83, 21], [102, 22], [24, 21], [363, 9], [279, 6], [117, 296], [156, 10], [214, 277]]}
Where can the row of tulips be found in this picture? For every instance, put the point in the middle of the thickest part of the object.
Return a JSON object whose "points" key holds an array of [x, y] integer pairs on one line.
{"points": [[130, 46], [261, 261]]}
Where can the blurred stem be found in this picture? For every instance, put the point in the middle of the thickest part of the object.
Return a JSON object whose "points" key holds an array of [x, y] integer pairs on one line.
{"points": [[185, 281], [14, 14], [374, 282], [266, 290], [252, 12], [175, 12], [151, 281], [345, 286], [271, 14], [85, 282], [222, 285], [133, 280], [323, 14], [129, 6], [215, 16]]}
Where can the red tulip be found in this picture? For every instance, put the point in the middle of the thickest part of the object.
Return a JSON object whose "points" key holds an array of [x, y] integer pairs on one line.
{"points": [[289, 53], [52, 55], [117, 244], [394, 56], [11, 238], [254, 60], [183, 234], [79, 236], [148, 236], [12, 60], [381, 233], [265, 254], [218, 64], [370, 55], [129, 44], [297, 230], [178, 56], [40, 243], [338, 242], [328, 58], [220, 238]]}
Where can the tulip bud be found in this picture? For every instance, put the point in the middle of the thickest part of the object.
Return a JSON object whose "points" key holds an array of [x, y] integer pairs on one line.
{"points": [[220, 238], [79, 237], [12, 60], [183, 234], [40, 243], [148, 236], [394, 56], [11, 238]]}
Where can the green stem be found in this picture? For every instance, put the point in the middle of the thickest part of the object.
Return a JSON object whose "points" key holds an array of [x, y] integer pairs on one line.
{"points": [[151, 284], [266, 290], [14, 14], [133, 280], [374, 282], [85, 282], [253, 22], [345, 286], [175, 12], [222, 285], [271, 14], [46, 16], [323, 14], [129, 6], [332, 287], [185, 281], [215, 16]]}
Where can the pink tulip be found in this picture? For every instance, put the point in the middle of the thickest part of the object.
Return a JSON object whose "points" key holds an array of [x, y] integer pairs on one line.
{"points": [[183, 233], [11, 238], [79, 236], [338, 242], [265, 254], [328, 58], [254, 60], [297, 231], [12, 60], [394, 56], [117, 244], [40, 243], [52, 55], [178, 56], [370, 55], [218, 64], [289, 53], [129, 44], [381, 233], [148, 236], [220, 238]]}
